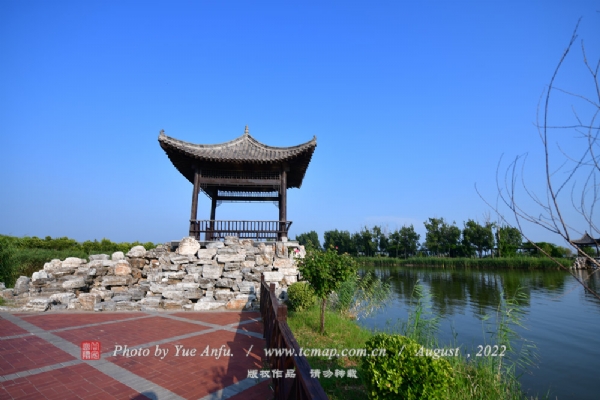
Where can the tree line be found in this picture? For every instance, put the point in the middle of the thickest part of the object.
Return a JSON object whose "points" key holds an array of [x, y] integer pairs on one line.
{"points": [[65, 243], [442, 239]]}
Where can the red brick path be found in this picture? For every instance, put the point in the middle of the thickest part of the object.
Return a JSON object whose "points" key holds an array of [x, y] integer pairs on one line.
{"points": [[40, 356]]}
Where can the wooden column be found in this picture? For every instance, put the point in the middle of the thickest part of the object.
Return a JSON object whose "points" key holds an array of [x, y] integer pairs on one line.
{"points": [[282, 202], [213, 207], [194, 214]]}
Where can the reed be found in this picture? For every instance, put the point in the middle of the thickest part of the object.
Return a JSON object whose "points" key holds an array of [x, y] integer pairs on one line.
{"points": [[463, 262], [477, 379]]}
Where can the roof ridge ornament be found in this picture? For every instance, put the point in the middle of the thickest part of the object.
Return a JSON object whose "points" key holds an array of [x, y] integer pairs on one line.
{"points": [[246, 132]]}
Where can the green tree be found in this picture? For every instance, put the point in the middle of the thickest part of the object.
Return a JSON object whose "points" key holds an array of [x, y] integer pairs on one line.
{"points": [[405, 241], [589, 250], [451, 239], [326, 271], [367, 242], [508, 241], [433, 237], [309, 240], [394, 244], [442, 238], [478, 237], [380, 239], [339, 240], [538, 249]]}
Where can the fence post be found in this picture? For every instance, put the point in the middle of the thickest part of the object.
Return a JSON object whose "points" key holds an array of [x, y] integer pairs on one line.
{"points": [[282, 313]]}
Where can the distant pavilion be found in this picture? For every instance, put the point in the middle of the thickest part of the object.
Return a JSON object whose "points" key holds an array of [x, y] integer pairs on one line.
{"points": [[587, 240], [241, 170]]}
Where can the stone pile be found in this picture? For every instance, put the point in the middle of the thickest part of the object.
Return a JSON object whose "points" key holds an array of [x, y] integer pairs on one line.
{"points": [[218, 275]]}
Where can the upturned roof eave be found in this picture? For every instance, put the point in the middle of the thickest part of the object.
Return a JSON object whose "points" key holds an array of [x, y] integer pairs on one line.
{"points": [[196, 151], [586, 239], [182, 156]]}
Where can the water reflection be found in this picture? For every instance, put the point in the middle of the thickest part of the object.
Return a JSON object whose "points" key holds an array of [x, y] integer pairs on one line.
{"points": [[453, 289], [562, 319]]}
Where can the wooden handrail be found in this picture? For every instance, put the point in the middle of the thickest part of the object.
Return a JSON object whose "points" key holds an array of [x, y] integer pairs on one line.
{"points": [[278, 335], [259, 230]]}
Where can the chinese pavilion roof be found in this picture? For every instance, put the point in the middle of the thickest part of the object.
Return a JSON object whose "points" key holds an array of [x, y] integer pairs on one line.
{"points": [[586, 240], [241, 154]]}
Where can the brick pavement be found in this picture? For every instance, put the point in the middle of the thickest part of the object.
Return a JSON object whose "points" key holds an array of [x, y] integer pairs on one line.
{"points": [[207, 356]]}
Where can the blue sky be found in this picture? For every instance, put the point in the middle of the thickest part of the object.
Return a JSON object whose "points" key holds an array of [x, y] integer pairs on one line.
{"points": [[412, 103]]}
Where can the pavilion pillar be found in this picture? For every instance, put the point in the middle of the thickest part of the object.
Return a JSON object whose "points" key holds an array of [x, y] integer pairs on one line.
{"points": [[213, 208], [194, 229], [282, 204]]}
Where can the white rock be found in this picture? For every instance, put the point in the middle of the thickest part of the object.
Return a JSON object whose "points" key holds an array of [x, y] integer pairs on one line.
{"points": [[52, 265], [88, 300], [74, 304], [137, 251], [238, 304], [223, 258], [273, 276], [115, 281], [39, 276], [229, 240], [39, 304], [153, 301], [289, 271], [247, 297], [232, 274], [72, 262], [207, 254], [223, 294], [188, 285], [212, 271], [122, 268], [209, 305], [246, 287], [283, 263], [62, 298], [74, 283], [188, 246]]}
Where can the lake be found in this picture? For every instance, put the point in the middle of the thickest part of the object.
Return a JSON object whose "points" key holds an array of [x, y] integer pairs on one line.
{"points": [[560, 317]]}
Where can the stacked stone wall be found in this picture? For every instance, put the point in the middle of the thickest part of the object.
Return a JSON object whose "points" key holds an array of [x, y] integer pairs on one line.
{"points": [[216, 275]]}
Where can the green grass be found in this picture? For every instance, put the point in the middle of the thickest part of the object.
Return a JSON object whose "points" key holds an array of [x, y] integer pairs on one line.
{"points": [[447, 262], [481, 378], [340, 333]]}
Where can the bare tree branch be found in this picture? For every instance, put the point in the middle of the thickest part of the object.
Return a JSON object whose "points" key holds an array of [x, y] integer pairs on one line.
{"points": [[579, 171]]}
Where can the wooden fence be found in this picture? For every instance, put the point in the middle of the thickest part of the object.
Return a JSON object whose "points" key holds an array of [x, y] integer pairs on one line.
{"points": [[258, 230], [278, 335]]}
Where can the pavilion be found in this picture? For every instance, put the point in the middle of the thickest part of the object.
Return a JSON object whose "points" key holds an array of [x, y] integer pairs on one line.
{"points": [[587, 240], [241, 170]]}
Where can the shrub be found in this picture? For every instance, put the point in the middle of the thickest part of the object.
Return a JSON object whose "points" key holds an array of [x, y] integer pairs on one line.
{"points": [[8, 265], [401, 374], [301, 296]]}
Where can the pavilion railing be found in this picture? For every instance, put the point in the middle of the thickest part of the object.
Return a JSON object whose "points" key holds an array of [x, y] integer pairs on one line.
{"points": [[278, 335], [210, 230]]}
